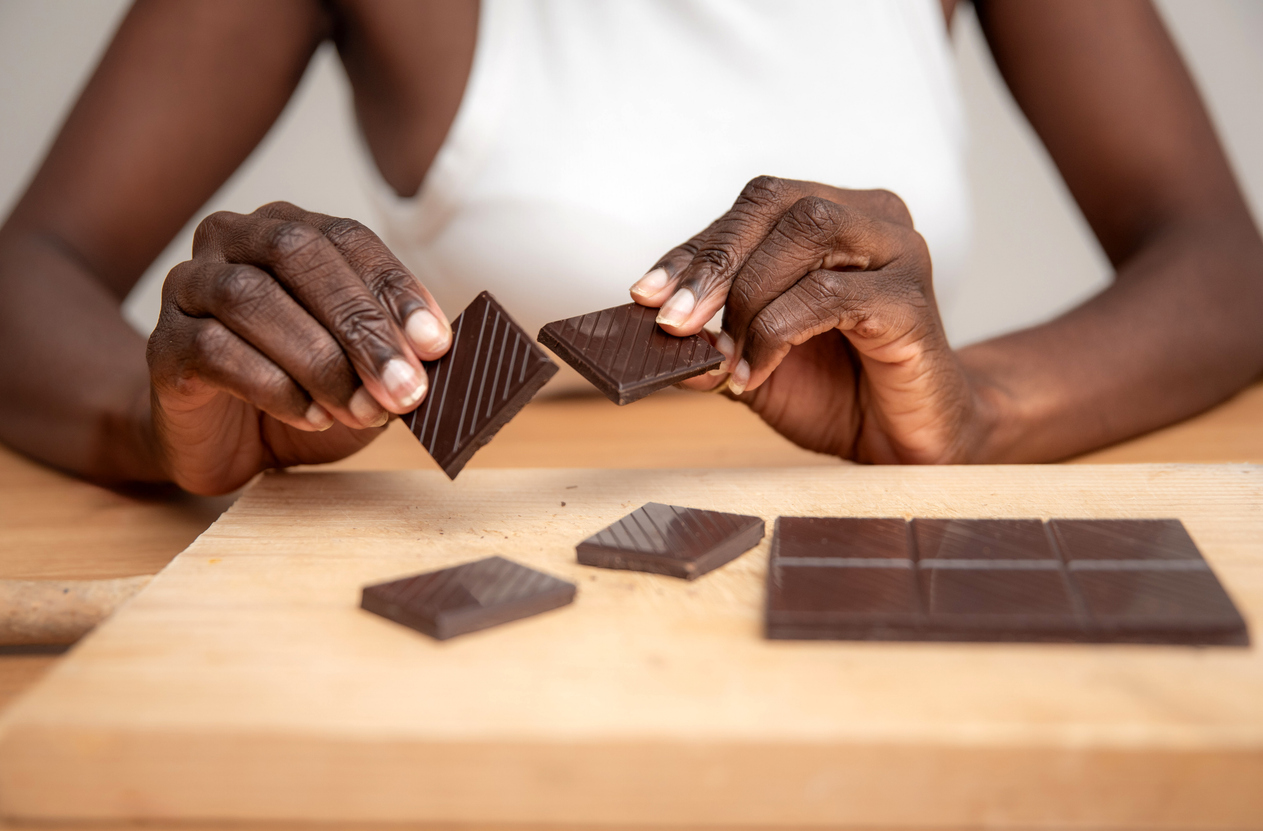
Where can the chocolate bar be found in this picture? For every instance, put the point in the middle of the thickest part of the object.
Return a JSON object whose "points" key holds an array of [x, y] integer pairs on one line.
{"points": [[490, 373], [467, 597], [667, 539], [625, 353], [1093, 581]]}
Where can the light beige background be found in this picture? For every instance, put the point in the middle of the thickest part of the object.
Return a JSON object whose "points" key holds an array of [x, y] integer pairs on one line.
{"points": [[1033, 255]]}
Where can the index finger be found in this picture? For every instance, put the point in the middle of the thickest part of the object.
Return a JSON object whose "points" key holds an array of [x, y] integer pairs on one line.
{"points": [[302, 259], [407, 299]]}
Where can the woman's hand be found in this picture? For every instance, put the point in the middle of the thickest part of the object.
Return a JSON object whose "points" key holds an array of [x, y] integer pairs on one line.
{"points": [[289, 338], [831, 332]]}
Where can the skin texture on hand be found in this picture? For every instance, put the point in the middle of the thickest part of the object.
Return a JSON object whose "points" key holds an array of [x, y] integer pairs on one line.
{"points": [[831, 331], [286, 339]]}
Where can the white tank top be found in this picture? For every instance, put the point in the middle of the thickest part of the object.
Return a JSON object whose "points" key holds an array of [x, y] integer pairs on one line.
{"points": [[595, 135]]}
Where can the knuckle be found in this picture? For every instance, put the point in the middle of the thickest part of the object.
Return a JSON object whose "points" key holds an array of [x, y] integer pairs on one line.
{"points": [[765, 189], [207, 344], [361, 326], [816, 217], [349, 233], [287, 240], [277, 209], [239, 288], [715, 259], [177, 278], [330, 373], [213, 227], [391, 279], [891, 205], [768, 332]]}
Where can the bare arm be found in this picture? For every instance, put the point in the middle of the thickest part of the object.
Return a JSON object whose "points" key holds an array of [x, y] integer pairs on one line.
{"points": [[182, 96], [1178, 330], [289, 337], [832, 331]]}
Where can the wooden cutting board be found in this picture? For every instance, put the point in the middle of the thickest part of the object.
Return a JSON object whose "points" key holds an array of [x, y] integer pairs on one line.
{"points": [[245, 684]]}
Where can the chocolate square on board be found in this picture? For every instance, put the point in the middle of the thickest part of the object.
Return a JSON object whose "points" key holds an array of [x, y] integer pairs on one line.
{"points": [[668, 539], [492, 370], [1144, 581], [1124, 539], [842, 578], [467, 597], [625, 353], [993, 580]]}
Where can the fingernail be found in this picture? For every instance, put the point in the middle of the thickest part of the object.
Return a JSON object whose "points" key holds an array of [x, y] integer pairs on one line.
{"points": [[365, 408], [403, 382], [726, 347], [426, 333], [652, 283], [678, 308], [318, 417], [740, 377]]}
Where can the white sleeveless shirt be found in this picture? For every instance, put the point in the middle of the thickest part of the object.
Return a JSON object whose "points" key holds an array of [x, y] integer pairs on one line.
{"points": [[595, 135]]}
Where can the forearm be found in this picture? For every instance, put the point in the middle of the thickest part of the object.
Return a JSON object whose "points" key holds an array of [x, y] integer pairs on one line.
{"points": [[74, 385], [1177, 332]]}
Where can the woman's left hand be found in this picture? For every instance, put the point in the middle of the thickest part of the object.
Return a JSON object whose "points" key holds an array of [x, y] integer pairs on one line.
{"points": [[831, 332]]}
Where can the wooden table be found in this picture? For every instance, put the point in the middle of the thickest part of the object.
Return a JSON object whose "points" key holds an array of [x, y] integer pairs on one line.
{"points": [[58, 527]]}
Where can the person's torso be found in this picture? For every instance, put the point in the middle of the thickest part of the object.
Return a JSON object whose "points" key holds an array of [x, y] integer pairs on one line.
{"points": [[594, 135]]}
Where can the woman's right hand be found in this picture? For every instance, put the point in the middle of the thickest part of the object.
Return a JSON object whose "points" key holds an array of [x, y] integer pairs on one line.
{"points": [[289, 338]]}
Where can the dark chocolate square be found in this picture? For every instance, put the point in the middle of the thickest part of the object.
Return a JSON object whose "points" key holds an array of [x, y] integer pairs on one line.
{"points": [[835, 602], [841, 537], [625, 353], [841, 577], [467, 597], [1124, 539], [492, 370], [998, 604], [1160, 606], [668, 539], [982, 539]]}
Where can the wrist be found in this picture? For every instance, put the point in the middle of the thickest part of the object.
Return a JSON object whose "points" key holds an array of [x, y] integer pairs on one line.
{"points": [[128, 448], [997, 423]]}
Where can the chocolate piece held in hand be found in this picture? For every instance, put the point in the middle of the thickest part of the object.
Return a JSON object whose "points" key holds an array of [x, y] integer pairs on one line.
{"points": [[1095, 581], [666, 539], [625, 354], [468, 597], [492, 370]]}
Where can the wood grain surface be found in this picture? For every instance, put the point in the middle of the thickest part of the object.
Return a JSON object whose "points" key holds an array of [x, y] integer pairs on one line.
{"points": [[245, 684]]}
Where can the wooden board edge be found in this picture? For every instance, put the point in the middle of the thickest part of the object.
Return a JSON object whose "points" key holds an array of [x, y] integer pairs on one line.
{"points": [[49, 774]]}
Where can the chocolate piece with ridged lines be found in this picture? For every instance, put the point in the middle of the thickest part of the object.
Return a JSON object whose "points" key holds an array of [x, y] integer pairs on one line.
{"points": [[668, 539], [625, 354], [492, 370], [1087, 581], [467, 597]]}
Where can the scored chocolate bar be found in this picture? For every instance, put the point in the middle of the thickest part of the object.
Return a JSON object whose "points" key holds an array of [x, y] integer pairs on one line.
{"points": [[667, 539], [1092, 581], [467, 597], [492, 370], [625, 353]]}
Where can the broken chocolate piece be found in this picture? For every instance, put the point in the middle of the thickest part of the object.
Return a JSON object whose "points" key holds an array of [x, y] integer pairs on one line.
{"points": [[467, 597], [667, 539], [490, 373], [625, 354], [1126, 581]]}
